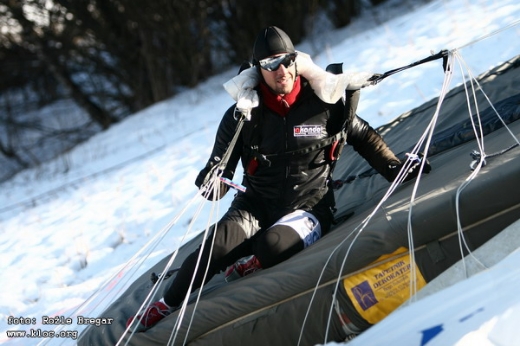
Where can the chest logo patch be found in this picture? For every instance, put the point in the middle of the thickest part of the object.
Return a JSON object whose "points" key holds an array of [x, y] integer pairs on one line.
{"points": [[307, 131]]}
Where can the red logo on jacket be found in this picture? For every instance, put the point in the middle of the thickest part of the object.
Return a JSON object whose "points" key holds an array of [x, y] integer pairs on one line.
{"points": [[307, 131]]}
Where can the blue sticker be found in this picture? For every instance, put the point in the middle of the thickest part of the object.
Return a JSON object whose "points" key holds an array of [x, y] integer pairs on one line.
{"points": [[429, 334], [463, 319], [364, 295]]}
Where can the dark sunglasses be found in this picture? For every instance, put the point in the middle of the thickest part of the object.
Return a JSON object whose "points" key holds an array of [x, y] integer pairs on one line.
{"points": [[273, 64]]}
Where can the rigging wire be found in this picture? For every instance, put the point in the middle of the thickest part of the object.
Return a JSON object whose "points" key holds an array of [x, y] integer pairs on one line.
{"points": [[211, 188], [168, 265], [427, 135], [400, 178], [488, 35], [479, 137], [128, 270], [462, 240], [215, 206], [357, 231]]}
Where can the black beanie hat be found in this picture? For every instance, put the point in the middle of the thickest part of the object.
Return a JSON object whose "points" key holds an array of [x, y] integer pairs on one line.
{"points": [[271, 41]]}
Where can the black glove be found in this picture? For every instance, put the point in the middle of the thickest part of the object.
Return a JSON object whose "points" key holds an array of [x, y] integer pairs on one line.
{"points": [[413, 171], [202, 182]]}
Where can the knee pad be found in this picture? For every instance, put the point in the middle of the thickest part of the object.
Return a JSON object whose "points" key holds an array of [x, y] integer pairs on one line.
{"points": [[288, 236], [305, 224]]}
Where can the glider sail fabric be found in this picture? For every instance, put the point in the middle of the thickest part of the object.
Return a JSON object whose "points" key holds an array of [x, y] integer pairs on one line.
{"points": [[375, 278]]}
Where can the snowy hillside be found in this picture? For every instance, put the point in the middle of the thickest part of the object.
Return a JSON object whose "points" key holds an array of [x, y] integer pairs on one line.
{"points": [[70, 225]]}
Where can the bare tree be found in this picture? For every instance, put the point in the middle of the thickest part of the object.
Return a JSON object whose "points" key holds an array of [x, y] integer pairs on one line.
{"points": [[114, 57], [51, 44]]}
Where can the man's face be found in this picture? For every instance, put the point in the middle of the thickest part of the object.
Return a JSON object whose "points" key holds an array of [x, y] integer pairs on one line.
{"points": [[281, 80]]}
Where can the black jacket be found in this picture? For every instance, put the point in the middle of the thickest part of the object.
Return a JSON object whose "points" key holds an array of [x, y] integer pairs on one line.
{"points": [[292, 169]]}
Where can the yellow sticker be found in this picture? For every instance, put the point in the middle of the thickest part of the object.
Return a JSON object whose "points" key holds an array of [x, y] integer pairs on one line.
{"points": [[378, 291]]}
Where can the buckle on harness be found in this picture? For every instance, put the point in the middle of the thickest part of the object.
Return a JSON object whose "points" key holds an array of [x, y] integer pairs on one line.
{"points": [[335, 150]]}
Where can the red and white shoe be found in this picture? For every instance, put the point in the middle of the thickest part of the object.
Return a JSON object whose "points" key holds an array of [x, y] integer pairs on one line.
{"points": [[242, 267], [153, 314]]}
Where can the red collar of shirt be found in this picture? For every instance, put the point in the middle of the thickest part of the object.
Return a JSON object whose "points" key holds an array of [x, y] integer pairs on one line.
{"points": [[277, 103]]}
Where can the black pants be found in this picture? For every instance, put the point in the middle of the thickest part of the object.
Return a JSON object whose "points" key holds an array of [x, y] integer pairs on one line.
{"points": [[246, 229]]}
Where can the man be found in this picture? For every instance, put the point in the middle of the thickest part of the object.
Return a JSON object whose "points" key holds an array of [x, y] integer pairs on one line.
{"points": [[288, 149]]}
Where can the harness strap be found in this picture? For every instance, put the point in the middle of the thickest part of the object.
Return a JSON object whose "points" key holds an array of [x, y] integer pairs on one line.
{"points": [[266, 158], [241, 118]]}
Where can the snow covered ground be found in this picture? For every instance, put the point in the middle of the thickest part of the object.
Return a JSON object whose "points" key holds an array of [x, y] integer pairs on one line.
{"points": [[69, 226]]}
